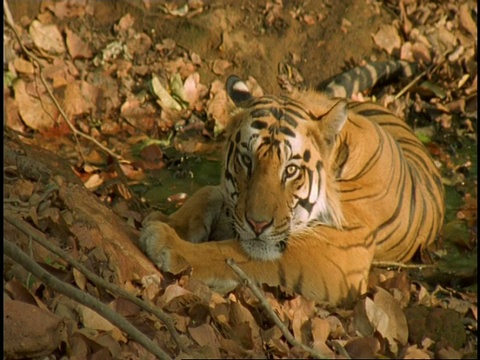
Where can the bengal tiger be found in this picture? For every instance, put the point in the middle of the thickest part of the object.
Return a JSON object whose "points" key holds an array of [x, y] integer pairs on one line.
{"points": [[314, 188]]}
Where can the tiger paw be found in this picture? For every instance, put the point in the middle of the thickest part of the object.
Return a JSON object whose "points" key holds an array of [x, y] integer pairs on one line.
{"points": [[161, 244]]}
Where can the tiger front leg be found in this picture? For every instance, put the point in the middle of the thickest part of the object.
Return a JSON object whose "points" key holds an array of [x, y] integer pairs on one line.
{"points": [[202, 217], [159, 242], [317, 264]]}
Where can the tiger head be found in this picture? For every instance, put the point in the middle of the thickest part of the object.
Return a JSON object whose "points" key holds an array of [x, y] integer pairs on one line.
{"points": [[280, 167]]}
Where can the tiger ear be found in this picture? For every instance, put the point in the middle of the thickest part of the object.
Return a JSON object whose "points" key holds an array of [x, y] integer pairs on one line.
{"points": [[335, 118], [237, 90]]}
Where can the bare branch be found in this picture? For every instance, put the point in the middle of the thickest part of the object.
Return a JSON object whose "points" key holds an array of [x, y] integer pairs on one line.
{"points": [[12, 251], [271, 314], [114, 289], [9, 21]]}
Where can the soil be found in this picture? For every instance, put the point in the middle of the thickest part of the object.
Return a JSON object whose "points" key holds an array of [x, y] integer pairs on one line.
{"points": [[237, 31]]}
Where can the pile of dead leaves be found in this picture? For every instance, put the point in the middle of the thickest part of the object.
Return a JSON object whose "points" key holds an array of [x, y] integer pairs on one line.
{"points": [[110, 101]]}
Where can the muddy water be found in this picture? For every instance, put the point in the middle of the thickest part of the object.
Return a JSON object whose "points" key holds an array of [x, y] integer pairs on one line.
{"points": [[182, 178]]}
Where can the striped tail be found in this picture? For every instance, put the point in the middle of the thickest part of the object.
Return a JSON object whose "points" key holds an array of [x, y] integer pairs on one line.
{"points": [[366, 77]]}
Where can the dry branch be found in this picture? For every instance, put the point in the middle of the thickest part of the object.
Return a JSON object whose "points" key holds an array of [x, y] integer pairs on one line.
{"points": [[271, 314], [48, 279], [9, 21], [167, 320]]}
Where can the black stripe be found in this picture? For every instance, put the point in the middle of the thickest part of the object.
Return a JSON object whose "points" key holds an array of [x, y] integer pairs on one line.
{"points": [[286, 131], [277, 113], [373, 112], [290, 120], [259, 125], [257, 113], [306, 155]]}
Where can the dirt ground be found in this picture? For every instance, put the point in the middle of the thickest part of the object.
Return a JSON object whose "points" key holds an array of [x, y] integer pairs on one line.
{"points": [[139, 92], [253, 38]]}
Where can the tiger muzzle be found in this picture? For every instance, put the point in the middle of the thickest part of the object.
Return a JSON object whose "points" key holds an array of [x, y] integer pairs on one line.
{"points": [[258, 227]]}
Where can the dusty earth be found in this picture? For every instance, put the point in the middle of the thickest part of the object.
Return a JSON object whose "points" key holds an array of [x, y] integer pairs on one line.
{"points": [[107, 100]]}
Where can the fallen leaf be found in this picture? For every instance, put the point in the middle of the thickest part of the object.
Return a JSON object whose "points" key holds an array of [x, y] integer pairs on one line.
{"points": [[12, 115], [80, 98], [37, 113], [23, 66], [387, 38], [363, 347], [220, 66], [320, 332], [125, 23], [47, 37], [80, 279], [93, 182], [217, 110], [35, 335], [421, 52], [204, 335], [397, 323], [93, 320], [413, 352], [165, 100], [76, 46], [193, 90], [465, 19], [69, 9], [139, 44]]}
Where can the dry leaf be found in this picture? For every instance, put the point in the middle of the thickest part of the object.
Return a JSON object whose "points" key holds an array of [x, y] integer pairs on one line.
{"points": [[80, 279], [466, 20], [23, 66], [92, 320], [220, 66], [79, 98], [387, 38], [76, 46], [204, 335], [320, 332], [93, 182], [413, 352], [125, 23], [363, 347], [397, 323], [165, 100], [217, 110], [192, 89], [421, 52], [47, 37], [37, 113], [35, 335]]}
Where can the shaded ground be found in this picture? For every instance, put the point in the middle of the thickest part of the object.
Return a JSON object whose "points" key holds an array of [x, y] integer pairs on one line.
{"points": [[141, 87]]}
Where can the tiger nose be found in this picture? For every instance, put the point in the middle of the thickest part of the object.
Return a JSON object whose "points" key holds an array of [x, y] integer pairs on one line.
{"points": [[258, 227]]}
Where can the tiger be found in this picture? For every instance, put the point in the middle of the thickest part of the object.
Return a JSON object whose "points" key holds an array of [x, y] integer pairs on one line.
{"points": [[314, 188]]}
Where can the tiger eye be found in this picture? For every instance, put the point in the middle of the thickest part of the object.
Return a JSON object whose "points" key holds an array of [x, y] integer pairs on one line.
{"points": [[291, 171]]}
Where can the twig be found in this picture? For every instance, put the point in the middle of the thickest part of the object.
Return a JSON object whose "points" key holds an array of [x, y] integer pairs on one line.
{"points": [[86, 299], [419, 76], [411, 83], [388, 264], [258, 293], [9, 21], [33, 234]]}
